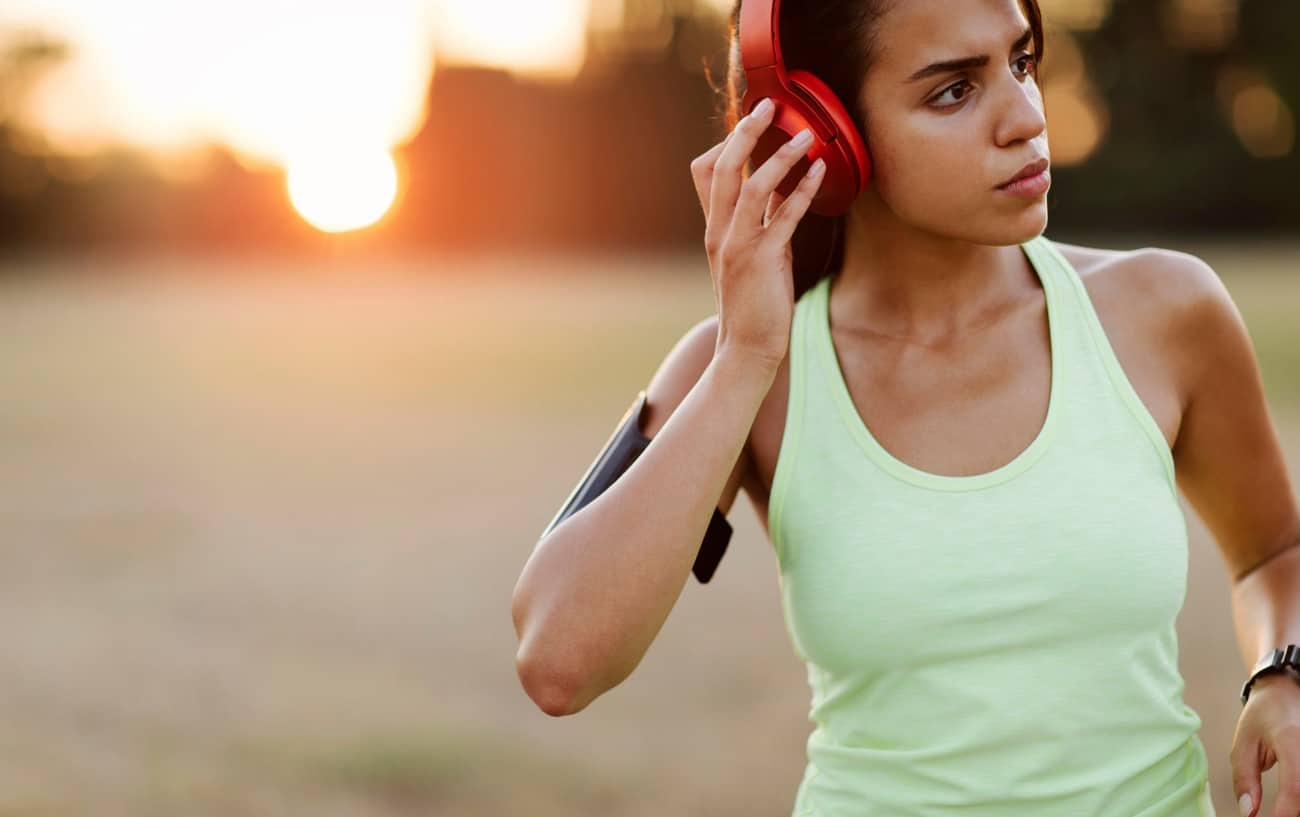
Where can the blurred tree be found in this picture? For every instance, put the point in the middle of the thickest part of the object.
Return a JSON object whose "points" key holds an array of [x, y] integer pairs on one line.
{"points": [[24, 58], [1172, 158]]}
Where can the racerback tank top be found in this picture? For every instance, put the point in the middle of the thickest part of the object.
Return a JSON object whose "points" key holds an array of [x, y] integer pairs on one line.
{"points": [[994, 645]]}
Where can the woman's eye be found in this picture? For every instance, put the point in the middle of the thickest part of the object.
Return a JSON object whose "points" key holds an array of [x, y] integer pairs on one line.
{"points": [[956, 88], [959, 90]]}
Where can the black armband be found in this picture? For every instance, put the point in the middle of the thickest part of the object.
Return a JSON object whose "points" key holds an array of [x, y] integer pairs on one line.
{"points": [[620, 451]]}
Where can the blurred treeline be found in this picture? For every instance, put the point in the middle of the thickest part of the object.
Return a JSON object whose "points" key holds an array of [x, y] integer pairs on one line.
{"points": [[1185, 110]]}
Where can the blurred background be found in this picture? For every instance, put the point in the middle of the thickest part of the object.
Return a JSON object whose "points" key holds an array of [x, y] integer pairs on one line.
{"points": [[311, 315]]}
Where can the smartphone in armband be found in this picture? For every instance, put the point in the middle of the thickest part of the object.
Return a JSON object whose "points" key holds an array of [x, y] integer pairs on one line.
{"points": [[620, 451]]}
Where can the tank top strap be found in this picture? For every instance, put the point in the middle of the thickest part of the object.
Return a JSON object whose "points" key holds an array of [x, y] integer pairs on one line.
{"points": [[1100, 383]]}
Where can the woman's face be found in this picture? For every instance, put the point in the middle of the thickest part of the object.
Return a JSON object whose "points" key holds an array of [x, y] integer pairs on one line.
{"points": [[943, 138]]}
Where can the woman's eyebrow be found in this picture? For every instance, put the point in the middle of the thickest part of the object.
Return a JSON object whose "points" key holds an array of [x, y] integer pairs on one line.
{"points": [[966, 62]]}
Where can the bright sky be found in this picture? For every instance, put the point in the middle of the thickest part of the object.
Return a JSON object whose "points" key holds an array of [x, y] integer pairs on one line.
{"points": [[274, 79], [326, 89]]}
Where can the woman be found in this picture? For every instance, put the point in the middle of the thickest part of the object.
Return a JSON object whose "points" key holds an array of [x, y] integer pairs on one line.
{"points": [[966, 442]]}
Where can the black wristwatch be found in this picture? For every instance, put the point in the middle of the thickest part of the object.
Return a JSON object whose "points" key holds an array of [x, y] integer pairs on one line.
{"points": [[1276, 661]]}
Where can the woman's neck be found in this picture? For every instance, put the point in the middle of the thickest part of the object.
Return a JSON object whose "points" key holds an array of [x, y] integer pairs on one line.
{"points": [[913, 285]]}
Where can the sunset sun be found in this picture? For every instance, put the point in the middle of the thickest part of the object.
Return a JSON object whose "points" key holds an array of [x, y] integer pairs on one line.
{"points": [[342, 190]]}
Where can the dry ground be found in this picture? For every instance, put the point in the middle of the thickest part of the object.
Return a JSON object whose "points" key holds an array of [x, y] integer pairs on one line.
{"points": [[260, 521]]}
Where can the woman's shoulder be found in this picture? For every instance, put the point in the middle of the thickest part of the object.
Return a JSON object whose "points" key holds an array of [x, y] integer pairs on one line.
{"points": [[1156, 275], [1173, 300]]}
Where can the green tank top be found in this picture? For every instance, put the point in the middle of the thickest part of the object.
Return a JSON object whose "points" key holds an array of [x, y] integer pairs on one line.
{"points": [[992, 645]]}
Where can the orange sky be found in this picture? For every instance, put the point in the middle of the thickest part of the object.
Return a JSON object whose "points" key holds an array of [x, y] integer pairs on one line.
{"points": [[272, 78]]}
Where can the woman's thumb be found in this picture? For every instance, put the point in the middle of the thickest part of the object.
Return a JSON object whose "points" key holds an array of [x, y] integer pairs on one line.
{"points": [[1246, 804], [1245, 781]]}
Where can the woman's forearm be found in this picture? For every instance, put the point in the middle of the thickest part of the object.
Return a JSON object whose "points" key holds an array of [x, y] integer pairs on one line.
{"points": [[1266, 605]]}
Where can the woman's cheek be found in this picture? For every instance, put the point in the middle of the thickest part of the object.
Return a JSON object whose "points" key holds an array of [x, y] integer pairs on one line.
{"points": [[911, 163], [891, 171], [917, 187]]}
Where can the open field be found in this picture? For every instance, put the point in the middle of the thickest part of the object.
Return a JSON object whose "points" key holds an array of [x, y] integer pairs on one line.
{"points": [[260, 522]]}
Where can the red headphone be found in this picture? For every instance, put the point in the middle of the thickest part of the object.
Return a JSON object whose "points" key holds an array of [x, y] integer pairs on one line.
{"points": [[802, 101]]}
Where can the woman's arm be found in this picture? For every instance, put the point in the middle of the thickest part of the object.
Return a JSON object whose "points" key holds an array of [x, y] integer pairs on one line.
{"points": [[598, 588], [1229, 463], [1228, 459]]}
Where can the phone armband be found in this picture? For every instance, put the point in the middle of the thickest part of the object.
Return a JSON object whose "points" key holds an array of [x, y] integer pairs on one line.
{"points": [[620, 451]]}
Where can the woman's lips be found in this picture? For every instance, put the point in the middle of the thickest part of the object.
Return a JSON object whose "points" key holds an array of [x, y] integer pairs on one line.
{"points": [[1030, 186]]}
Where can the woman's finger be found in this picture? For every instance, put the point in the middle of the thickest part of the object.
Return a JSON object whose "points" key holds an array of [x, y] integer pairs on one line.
{"points": [[787, 216], [773, 202], [728, 171], [702, 172], [757, 188]]}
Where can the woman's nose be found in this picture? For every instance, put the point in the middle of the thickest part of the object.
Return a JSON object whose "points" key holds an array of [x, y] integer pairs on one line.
{"points": [[1022, 116]]}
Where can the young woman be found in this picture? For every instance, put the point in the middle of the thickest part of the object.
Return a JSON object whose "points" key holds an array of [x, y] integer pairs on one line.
{"points": [[966, 442]]}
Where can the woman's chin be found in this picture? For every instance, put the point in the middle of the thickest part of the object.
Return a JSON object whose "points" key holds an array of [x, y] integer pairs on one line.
{"points": [[1029, 224]]}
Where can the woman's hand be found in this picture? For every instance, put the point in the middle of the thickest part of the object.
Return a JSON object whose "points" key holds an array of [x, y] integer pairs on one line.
{"points": [[747, 237], [1268, 732]]}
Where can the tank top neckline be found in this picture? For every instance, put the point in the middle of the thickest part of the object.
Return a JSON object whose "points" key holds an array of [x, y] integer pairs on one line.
{"points": [[1039, 260]]}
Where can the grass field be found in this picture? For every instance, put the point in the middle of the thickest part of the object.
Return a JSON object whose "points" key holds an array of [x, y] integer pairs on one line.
{"points": [[260, 521]]}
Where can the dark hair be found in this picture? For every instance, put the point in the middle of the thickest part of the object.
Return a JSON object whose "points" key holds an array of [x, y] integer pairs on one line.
{"points": [[834, 39]]}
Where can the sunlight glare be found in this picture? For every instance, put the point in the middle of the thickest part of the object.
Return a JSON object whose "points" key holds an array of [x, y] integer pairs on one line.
{"points": [[257, 76], [520, 35], [343, 189]]}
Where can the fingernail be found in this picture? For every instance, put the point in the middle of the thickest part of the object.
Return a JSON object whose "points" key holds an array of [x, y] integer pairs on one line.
{"points": [[762, 108], [1243, 804]]}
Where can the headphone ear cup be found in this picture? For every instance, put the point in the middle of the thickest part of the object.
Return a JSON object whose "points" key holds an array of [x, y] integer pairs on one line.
{"points": [[848, 165]]}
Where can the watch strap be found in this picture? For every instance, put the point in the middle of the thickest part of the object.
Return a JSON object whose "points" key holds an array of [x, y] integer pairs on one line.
{"points": [[1276, 660]]}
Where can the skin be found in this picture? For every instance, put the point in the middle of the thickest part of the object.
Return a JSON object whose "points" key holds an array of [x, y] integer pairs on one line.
{"points": [[940, 327]]}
